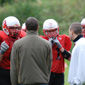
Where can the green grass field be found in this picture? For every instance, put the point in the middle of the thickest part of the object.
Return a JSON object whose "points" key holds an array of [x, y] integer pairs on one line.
{"points": [[66, 73]]}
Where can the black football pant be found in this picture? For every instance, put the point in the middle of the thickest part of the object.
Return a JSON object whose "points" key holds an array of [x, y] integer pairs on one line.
{"points": [[56, 79], [5, 77]]}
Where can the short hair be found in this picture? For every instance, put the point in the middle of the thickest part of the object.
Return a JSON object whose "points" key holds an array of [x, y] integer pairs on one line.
{"points": [[76, 27], [32, 23]]}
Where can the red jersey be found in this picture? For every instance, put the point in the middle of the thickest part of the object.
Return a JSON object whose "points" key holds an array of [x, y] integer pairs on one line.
{"points": [[58, 59], [5, 62]]}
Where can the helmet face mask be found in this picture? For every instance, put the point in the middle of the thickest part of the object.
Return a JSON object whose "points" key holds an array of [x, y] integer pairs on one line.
{"points": [[11, 26], [50, 28], [83, 26], [51, 33], [14, 31]]}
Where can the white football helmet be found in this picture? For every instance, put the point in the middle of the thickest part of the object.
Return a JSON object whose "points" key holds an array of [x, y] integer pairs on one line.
{"points": [[24, 27], [50, 28], [11, 26], [83, 22], [83, 25]]}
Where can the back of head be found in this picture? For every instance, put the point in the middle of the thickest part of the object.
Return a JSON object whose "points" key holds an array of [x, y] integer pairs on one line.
{"points": [[76, 27], [32, 24]]}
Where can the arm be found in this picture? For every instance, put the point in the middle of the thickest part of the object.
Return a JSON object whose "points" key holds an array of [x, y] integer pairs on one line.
{"points": [[65, 53], [1, 56], [68, 45]]}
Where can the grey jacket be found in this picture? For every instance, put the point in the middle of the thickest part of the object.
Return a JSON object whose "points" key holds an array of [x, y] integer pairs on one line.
{"points": [[31, 59]]}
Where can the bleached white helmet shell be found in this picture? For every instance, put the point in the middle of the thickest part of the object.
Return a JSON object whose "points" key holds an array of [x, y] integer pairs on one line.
{"points": [[50, 28], [50, 24], [11, 22], [23, 27], [83, 26], [83, 22]]}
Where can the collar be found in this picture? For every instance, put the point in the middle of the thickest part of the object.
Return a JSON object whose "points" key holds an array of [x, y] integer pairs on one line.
{"points": [[31, 32], [77, 38]]}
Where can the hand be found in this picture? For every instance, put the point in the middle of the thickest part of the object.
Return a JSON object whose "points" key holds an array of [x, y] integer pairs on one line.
{"points": [[4, 47], [51, 41], [76, 82], [57, 43]]}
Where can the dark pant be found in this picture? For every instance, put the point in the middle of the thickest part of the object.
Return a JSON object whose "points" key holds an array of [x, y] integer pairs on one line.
{"points": [[33, 84], [56, 79], [43, 84], [5, 77]]}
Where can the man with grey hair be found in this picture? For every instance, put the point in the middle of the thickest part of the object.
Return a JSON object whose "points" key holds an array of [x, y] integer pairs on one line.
{"points": [[77, 63], [31, 57]]}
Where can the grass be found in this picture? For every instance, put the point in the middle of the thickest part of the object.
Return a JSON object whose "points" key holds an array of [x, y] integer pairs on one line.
{"points": [[66, 73]]}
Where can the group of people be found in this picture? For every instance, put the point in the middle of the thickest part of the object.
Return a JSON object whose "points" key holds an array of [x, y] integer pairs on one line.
{"points": [[27, 58]]}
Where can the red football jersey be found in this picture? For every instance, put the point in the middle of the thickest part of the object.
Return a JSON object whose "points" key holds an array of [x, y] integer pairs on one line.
{"points": [[44, 37], [23, 33], [5, 62], [58, 60]]}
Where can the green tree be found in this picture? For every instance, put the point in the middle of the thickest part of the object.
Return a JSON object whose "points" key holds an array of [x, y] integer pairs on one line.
{"points": [[2, 2]]}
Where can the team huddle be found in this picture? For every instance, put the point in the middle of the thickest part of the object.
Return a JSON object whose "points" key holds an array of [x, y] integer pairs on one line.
{"points": [[27, 58]]}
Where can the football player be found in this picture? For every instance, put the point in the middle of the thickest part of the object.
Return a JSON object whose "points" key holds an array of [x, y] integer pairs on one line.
{"points": [[11, 32], [61, 44]]}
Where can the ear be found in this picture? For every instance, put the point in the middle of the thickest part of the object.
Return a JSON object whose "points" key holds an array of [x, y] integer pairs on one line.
{"points": [[26, 28], [72, 32]]}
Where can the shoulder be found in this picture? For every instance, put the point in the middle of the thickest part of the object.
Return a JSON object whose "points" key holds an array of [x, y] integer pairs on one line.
{"points": [[3, 34], [17, 42], [44, 40], [64, 35], [20, 40], [80, 44], [23, 34], [44, 37], [81, 41]]}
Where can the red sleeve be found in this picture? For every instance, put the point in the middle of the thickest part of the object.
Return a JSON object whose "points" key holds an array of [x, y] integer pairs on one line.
{"points": [[0, 40], [1, 34], [68, 43]]}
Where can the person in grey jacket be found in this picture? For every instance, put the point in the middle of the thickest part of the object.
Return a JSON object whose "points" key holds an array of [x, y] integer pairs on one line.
{"points": [[31, 57]]}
